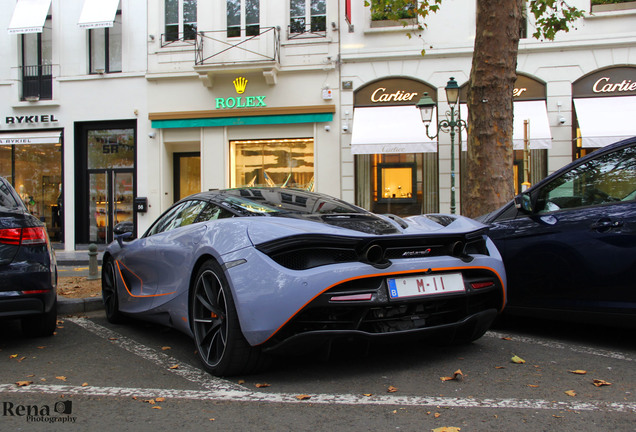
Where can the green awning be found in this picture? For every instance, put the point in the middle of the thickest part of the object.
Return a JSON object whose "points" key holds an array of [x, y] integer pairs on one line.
{"points": [[243, 121]]}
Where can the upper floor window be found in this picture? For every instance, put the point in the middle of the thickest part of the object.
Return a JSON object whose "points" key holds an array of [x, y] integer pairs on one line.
{"points": [[381, 12], [180, 20], [612, 5], [243, 14], [37, 69], [105, 48], [307, 16]]}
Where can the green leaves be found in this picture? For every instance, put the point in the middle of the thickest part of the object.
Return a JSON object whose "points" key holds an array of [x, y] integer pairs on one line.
{"points": [[553, 16]]}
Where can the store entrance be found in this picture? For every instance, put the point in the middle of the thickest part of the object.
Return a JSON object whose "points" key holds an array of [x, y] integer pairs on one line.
{"points": [[105, 189], [111, 202], [187, 174]]}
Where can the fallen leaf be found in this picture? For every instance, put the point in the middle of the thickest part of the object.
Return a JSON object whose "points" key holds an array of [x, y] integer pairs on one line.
{"points": [[447, 429], [261, 385], [500, 367], [41, 347], [23, 383], [13, 356], [600, 383], [506, 338], [156, 407], [533, 385], [112, 338], [30, 376], [241, 382], [517, 360], [160, 399], [212, 419], [458, 376], [437, 415], [174, 367], [578, 372], [368, 394], [62, 378], [150, 401], [166, 348], [391, 389], [20, 359], [303, 397], [84, 384], [570, 393]]}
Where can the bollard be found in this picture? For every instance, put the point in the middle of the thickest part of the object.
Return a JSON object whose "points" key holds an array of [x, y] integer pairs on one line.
{"points": [[92, 262]]}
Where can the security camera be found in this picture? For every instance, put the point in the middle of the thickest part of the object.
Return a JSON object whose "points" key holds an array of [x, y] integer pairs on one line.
{"points": [[152, 134], [345, 127], [561, 120]]}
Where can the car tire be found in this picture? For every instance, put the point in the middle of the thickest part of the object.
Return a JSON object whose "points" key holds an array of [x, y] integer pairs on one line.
{"points": [[110, 296], [41, 325], [221, 346]]}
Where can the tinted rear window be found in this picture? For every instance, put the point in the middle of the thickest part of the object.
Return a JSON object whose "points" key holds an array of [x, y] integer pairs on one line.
{"points": [[8, 198]]}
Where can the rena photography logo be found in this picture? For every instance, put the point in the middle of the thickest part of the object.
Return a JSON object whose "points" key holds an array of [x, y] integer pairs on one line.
{"points": [[60, 412]]}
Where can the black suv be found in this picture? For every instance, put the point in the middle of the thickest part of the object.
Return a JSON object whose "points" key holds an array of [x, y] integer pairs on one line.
{"points": [[28, 271]]}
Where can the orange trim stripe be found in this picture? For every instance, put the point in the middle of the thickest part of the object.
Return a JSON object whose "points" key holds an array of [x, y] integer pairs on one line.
{"points": [[385, 275], [140, 280]]}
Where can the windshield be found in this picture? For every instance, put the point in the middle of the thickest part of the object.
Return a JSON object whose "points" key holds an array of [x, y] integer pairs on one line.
{"points": [[277, 202]]}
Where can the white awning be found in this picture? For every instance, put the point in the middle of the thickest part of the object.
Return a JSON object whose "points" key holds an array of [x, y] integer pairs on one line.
{"points": [[539, 136], [29, 16], [605, 120], [390, 129], [98, 13], [48, 137]]}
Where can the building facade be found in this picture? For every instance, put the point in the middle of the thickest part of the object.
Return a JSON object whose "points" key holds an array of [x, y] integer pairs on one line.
{"points": [[112, 110]]}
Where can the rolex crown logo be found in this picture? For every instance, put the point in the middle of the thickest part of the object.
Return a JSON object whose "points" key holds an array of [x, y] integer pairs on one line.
{"points": [[239, 84]]}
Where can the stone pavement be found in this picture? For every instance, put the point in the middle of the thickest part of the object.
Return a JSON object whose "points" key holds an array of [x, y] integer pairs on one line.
{"points": [[76, 263]]}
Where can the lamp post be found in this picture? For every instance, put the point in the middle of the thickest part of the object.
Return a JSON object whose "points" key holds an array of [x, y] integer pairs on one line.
{"points": [[449, 124]]}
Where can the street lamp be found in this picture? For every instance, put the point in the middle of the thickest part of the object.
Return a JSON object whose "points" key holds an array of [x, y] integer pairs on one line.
{"points": [[449, 124]]}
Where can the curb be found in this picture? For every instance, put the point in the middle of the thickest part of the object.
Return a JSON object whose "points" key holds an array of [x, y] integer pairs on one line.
{"points": [[66, 306]]}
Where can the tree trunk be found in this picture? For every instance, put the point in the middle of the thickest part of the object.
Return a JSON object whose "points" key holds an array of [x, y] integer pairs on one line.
{"points": [[489, 171]]}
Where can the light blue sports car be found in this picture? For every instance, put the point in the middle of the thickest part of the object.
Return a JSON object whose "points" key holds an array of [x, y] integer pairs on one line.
{"points": [[252, 271]]}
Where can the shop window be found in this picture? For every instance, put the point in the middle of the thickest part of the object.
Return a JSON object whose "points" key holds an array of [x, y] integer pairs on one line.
{"points": [[308, 17], [180, 20], [35, 171], [105, 48], [37, 69], [396, 182], [281, 163], [243, 14]]}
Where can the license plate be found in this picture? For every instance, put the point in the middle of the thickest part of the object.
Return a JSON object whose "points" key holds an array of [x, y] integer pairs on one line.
{"points": [[416, 286]]}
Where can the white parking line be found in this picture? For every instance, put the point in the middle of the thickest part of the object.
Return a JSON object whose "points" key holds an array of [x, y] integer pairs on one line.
{"points": [[221, 390], [161, 359], [551, 344], [341, 399]]}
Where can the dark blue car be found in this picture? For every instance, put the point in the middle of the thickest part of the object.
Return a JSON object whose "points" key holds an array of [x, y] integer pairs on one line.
{"points": [[569, 242], [28, 271]]}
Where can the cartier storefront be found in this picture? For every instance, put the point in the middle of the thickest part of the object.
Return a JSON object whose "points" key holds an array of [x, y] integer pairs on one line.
{"points": [[396, 164]]}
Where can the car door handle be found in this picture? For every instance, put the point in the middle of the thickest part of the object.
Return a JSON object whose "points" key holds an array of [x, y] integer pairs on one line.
{"points": [[603, 225]]}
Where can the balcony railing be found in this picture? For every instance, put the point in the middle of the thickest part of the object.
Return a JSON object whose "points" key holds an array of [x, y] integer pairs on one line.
{"points": [[216, 48], [37, 82]]}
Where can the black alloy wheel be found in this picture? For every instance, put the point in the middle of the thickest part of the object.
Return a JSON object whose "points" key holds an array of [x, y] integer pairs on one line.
{"points": [[220, 344], [109, 292]]}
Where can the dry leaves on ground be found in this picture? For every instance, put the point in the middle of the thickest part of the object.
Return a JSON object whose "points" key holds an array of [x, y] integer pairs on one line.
{"points": [[78, 287]]}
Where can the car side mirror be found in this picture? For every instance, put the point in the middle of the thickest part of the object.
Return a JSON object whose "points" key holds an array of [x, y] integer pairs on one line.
{"points": [[124, 231], [524, 203]]}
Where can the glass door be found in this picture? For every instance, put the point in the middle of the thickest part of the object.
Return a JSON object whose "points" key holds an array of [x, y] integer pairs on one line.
{"points": [[187, 174], [110, 202]]}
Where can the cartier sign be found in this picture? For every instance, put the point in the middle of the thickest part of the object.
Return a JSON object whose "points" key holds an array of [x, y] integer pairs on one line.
{"points": [[392, 91], [616, 81], [31, 119]]}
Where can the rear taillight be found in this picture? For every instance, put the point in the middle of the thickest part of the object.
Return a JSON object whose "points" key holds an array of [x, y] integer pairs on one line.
{"points": [[481, 285], [23, 236]]}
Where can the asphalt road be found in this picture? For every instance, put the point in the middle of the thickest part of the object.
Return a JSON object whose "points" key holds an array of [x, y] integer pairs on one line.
{"points": [[96, 376]]}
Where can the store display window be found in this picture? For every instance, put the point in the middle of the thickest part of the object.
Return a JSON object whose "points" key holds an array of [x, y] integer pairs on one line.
{"points": [[276, 162], [35, 171]]}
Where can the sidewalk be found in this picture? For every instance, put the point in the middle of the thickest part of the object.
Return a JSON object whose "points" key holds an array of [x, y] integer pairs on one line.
{"points": [[76, 263]]}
